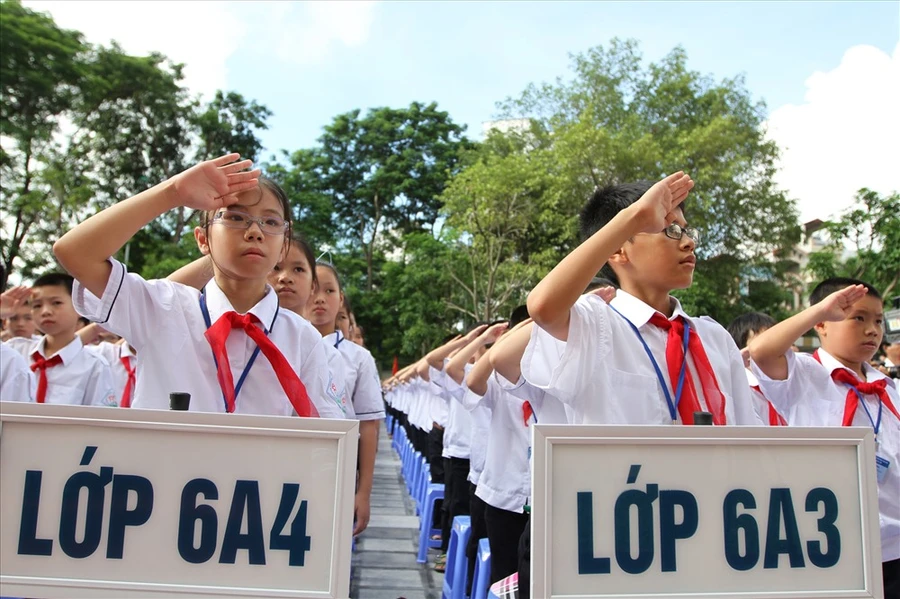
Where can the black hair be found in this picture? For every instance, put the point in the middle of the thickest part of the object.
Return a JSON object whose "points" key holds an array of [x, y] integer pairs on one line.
{"points": [[55, 278], [603, 206], [751, 322], [598, 282], [829, 286], [519, 314], [605, 203]]}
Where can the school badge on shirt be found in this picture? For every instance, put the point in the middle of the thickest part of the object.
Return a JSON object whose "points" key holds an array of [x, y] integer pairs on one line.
{"points": [[336, 394]]}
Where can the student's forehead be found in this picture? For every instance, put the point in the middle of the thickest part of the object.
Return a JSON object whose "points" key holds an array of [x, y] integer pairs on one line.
{"points": [[870, 304], [48, 291], [260, 201]]}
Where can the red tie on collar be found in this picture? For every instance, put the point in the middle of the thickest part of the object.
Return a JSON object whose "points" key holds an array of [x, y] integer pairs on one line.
{"points": [[42, 364], [689, 402], [129, 384], [527, 412], [290, 382], [775, 419], [851, 403]]}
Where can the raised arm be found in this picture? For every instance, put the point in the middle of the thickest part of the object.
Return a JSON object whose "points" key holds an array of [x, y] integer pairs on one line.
{"points": [[456, 368], [195, 274], [768, 348], [506, 356], [435, 357], [477, 378], [550, 301], [85, 249]]}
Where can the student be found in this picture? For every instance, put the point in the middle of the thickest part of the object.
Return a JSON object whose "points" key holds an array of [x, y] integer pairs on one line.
{"points": [[17, 382], [16, 379], [743, 329], [363, 385], [21, 323], [66, 373], [632, 348], [274, 364], [123, 365], [835, 386]]}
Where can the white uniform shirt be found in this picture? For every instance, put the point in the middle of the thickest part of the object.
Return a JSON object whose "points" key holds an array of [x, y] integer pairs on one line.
{"points": [[83, 377], [113, 354], [809, 397], [458, 433], [605, 375], [17, 383], [438, 409], [363, 386], [420, 405], [480, 432], [163, 321], [338, 380], [505, 482]]}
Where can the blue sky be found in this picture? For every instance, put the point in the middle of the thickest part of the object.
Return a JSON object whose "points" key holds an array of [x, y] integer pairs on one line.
{"points": [[829, 72], [468, 56]]}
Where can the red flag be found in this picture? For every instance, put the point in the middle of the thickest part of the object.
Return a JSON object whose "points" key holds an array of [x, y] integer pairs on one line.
{"points": [[395, 367]]}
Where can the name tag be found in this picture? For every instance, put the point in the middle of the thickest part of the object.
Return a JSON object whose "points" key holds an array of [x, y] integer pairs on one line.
{"points": [[881, 468]]}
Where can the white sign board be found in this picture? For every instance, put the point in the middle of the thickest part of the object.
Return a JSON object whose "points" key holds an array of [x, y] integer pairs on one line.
{"points": [[679, 511], [107, 502]]}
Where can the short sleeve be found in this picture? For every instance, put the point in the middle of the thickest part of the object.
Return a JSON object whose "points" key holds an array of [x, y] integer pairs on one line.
{"points": [[565, 369], [368, 402], [131, 306]]}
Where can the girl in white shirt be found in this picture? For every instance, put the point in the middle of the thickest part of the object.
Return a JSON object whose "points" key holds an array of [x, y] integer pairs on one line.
{"points": [[185, 337], [363, 384]]}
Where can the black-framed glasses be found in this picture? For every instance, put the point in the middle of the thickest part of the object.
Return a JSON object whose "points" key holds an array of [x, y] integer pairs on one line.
{"points": [[235, 219], [676, 232]]}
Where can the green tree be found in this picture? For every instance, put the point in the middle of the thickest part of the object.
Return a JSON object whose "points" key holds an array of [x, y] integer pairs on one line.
{"points": [[618, 120], [41, 69], [870, 231], [385, 172], [229, 123], [84, 127], [491, 207]]}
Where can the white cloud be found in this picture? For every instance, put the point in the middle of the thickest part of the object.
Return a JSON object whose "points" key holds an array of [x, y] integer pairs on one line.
{"points": [[202, 35], [306, 32], [845, 134]]}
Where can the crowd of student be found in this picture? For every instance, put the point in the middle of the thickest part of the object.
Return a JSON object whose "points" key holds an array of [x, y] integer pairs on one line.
{"points": [[618, 349], [585, 350]]}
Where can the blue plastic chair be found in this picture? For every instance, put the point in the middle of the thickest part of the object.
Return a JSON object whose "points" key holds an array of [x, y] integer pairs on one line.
{"points": [[432, 494], [457, 564], [482, 573], [424, 481]]}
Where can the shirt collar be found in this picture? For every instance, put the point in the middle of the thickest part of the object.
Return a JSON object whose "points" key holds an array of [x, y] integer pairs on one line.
{"points": [[334, 339], [831, 364], [640, 313], [218, 304], [66, 354]]}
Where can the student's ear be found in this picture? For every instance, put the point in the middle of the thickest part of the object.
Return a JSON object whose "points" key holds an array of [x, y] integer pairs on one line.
{"points": [[202, 240], [619, 258], [821, 329]]}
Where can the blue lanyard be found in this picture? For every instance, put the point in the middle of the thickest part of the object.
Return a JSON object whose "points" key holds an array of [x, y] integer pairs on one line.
{"points": [[673, 405], [876, 424], [338, 338], [237, 389]]}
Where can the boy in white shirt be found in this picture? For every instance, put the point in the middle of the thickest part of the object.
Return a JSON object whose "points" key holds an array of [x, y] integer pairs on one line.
{"points": [[835, 386], [622, 362], [16, 379], [66, 373], [184, 336]]}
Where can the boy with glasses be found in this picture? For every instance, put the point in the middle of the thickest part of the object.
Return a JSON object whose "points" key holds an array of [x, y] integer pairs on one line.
{"points": [[639, 359]]}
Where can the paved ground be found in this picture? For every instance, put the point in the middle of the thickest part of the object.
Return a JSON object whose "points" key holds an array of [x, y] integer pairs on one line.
{"points": [[384, 564]]}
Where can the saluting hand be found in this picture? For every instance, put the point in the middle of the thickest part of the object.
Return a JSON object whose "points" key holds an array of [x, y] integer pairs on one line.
{"points": [[215, 183], [838, 305], [655, 209]]}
